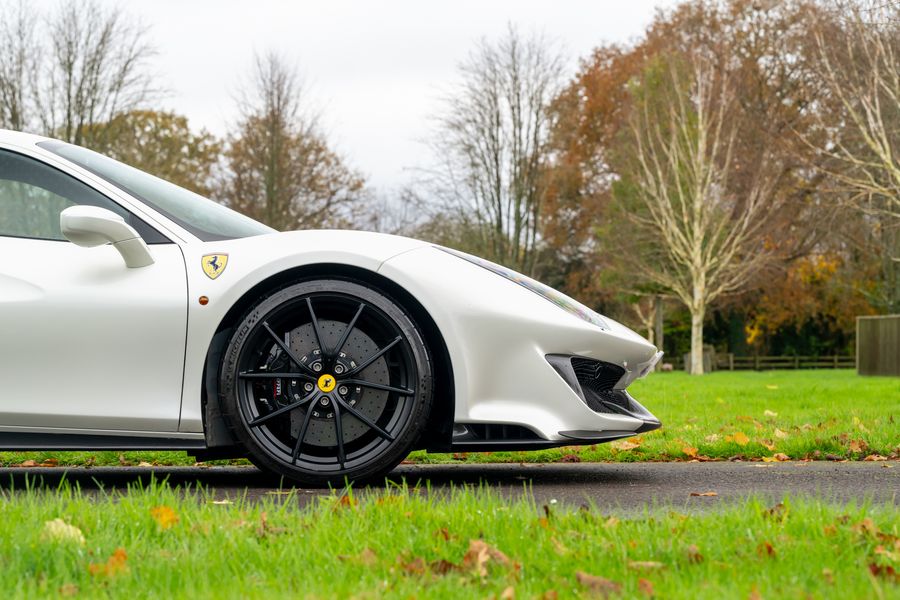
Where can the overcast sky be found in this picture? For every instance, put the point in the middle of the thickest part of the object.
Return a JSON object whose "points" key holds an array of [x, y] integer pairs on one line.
{"points": [[375, 70]]}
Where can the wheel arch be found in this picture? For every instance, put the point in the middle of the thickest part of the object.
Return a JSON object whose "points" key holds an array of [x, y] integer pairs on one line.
{"points": [[438, 433]]}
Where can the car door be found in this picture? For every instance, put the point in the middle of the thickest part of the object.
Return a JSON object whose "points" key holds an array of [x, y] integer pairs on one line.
{"points": [[85, 342]]}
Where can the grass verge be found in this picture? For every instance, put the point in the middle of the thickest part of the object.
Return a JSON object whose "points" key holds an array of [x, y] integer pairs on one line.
{"points": [[168, 543], [774, 415]]}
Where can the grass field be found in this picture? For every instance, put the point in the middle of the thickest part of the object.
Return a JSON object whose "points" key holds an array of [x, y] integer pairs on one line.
{"points": [[159, 542], [774, 415]]}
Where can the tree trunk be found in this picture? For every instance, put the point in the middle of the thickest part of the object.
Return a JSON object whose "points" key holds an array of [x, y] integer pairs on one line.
{"points": [[658, 325], [697, 315]]}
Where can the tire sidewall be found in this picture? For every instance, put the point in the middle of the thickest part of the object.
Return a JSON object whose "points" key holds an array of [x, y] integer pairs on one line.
{"points": [[406, 438]]}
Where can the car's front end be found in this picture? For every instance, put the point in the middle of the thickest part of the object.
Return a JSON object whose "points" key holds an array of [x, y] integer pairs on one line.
{"points": [[532, 368]]}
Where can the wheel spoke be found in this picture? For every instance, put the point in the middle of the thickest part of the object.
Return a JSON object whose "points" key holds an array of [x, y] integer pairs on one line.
{"points": [[296, 453], [316, 330], [374, 357], [365, 420], [378, 386], [339, 429], [343, 340], [274, 375], [260, 420], [287, 350]]}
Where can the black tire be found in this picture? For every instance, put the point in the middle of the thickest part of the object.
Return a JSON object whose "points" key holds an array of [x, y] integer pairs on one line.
{"points": [[320, 414]]}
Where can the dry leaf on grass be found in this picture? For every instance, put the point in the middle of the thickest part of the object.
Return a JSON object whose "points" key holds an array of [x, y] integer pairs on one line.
{"points": [[479, 554], [367, 557], [693, 554], [115, 565], [58, 530], [645, 586], [625, 445], [770, 413], [645, 565], [599, 586], [690, 451], [164, 516], [765, 549], [781, 435]]}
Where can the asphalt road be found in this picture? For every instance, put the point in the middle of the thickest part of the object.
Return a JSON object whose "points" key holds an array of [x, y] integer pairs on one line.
{"points": [[626, 486]]}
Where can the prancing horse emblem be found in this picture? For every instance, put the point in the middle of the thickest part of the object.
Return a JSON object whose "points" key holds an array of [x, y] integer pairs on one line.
{"points": [[214, 264]]}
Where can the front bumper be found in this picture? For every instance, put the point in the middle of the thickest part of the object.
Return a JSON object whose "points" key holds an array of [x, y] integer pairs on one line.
{"points": [[498, 335]]}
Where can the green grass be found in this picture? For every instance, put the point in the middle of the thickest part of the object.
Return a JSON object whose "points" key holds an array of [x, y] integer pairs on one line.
{"points": [[814, 415], [401, 543]]}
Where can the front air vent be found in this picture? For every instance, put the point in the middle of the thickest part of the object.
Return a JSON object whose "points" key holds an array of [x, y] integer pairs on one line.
{"points": [[596, 375]]}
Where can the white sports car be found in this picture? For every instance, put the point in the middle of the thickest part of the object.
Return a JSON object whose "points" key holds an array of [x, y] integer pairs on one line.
{"points": [[135, 314]]}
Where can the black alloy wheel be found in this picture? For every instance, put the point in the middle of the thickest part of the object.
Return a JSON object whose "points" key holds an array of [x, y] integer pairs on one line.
{"points": [[327, 381]]}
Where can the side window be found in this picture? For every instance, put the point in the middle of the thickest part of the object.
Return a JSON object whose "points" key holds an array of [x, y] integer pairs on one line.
{"points": [[32, 194]]}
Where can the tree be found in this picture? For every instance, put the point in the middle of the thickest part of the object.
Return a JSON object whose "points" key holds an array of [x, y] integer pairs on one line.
{"points": [[858, 55], [281, 170], [94, 69], [701, 239], [160, 143], [17, 63], [492, 138]]}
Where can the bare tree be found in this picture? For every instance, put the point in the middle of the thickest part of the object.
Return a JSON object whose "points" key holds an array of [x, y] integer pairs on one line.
{"points": [[93, 69], [281, 170], [701, 239], [18, 58], [860, 64], [492, 139]]}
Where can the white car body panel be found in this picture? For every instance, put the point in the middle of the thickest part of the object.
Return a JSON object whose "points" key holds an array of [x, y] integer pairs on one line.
{"points": [[123, 351]]}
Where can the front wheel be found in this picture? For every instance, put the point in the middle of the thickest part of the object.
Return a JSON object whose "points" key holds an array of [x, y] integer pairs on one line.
{"points": [[327, 381]]}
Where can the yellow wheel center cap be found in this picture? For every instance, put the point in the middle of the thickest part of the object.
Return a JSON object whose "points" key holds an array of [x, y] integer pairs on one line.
{"points": [[327, 383]]}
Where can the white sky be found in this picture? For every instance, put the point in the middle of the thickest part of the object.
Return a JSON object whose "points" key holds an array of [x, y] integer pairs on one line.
{"points": [[375, 69]]}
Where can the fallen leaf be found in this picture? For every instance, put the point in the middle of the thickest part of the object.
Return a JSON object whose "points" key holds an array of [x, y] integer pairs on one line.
{"points": [[767, 445], [875, 458], [508, 594], [866, 527], [415, 567], [598, 585], [164, 516], [713, 437], [58, 530], [704, 494], [645, 565], [367, 557], [444, 533], [560, 547], [741, 439], [115, 564], [781, 435], [765, 549], [611, 522], [625, 445], [770, 413], [28, 464], [884, 571], [693, 554], [144, 463], [857, 446], [778, 512], [478, 555], [50, 462], [570, 458], [645, 586], [690, 451], [345, 501], [550, 595], [68, 589], [828, 576]]}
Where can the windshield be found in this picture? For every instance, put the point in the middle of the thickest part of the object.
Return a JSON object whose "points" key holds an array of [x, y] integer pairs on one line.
{"points": [[208, 220]]}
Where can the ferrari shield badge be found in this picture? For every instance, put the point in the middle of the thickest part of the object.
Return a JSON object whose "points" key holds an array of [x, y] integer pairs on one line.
{"points": [[214, 264]]}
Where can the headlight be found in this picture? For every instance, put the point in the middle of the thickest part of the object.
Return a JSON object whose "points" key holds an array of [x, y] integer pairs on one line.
{"points": [[569, 305]]}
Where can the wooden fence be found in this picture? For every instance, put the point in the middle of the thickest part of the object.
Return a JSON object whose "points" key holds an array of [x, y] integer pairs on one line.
{"points": [[730, 362], [878, 345]]}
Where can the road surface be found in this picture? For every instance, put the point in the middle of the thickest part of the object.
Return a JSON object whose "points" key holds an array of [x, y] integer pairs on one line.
{"points": [[610, 486]]}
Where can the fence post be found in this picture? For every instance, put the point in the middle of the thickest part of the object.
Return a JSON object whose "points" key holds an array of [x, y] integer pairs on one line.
{"points": [[731, 361], [756, 362], [835, 361]]}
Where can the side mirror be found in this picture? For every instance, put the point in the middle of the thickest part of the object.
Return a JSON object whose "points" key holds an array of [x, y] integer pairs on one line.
{"points": [[90, 226]]}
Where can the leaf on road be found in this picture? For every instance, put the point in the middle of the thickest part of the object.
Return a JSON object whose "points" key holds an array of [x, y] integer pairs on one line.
{"points": [[164, 516], [58, 530], [599, 586], [704, 494], [115, 565], [777, 457]]}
